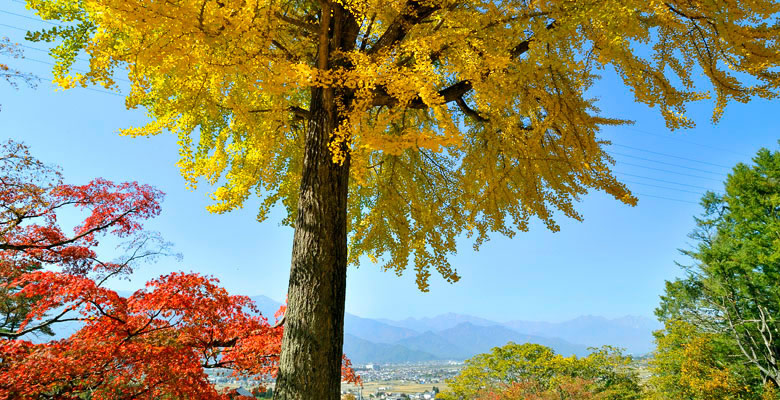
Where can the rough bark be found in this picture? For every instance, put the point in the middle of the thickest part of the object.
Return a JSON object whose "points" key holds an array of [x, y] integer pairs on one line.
{"points": [[310, 365], [310, 361]]}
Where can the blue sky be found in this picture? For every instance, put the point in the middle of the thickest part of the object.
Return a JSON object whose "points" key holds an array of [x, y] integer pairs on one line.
{"points": [[612, 264]]}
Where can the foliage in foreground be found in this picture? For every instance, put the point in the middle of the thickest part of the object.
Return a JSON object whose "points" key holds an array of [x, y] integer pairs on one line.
{"points": [[532, 371], [152, 344]]}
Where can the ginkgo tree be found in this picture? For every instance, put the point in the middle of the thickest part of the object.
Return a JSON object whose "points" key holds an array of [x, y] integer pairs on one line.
{"points": [[389, 128]]}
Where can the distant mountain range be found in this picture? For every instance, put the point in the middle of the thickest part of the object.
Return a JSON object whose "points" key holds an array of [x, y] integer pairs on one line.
{"points": [[439, 322], [457, 337], [635, 334]]}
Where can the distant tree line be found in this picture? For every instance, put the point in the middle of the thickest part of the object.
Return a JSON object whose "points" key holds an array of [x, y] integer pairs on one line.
{"points": [[535, 372]]}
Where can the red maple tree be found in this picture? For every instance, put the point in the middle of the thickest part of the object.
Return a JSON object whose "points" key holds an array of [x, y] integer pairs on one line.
{"points": [[155, 343]]}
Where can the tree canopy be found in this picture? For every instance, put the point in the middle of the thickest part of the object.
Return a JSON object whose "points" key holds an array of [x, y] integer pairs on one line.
{"points": [[456, 117], [527, 370], [731, 290]]}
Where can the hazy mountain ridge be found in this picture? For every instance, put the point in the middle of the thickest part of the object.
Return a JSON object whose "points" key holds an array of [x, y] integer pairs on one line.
{"points": [[457, 337], [454, 336], [438, 323], [364, 328], [457, 343], [633, 333], [376, 331]]}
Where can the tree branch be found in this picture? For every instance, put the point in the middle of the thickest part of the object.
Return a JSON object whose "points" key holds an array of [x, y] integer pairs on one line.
{"points": [[298, 112], [413, 14], [450, 94], [53, 320], [23, 247], [307, 26], [468, 110], [232, 341]]}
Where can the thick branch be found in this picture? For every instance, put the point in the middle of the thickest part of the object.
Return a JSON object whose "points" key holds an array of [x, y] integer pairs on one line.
{"points": [[468, 110], [324, 29], [413, 14], [367, 33], [298, 112], [449, 94], [307, 26]]}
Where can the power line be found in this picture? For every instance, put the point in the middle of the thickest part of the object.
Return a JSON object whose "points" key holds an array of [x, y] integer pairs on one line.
{"points": [[40, 61], [661, 187], [666, 163], [52, 64], [663, 181], [669, 155], [30, 18], [47, 52], [82, 87], [665, 198], [669, 171], [14, 27], [91, 89], [683, 141]]}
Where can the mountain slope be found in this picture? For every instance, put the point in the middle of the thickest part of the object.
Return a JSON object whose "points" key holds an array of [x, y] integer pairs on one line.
{"points": [[433, 343], [364, 328], [475, 339], [374, 330], [362, 351]]}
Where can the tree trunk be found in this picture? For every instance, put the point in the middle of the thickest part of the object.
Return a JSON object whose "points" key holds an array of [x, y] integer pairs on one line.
{"points": [[310, 361]]}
